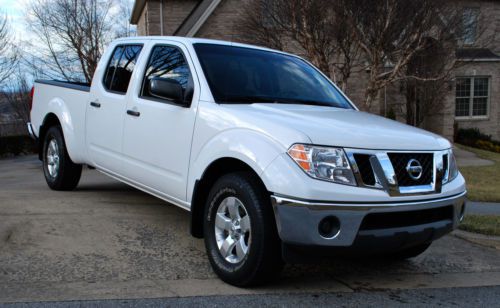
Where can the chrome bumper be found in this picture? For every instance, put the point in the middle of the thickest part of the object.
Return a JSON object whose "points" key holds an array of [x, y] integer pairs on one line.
{"points": [[298, 220], [30, 131]]}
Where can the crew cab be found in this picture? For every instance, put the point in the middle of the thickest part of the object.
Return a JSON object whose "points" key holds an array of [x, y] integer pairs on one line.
{"points": [[274, 163]]}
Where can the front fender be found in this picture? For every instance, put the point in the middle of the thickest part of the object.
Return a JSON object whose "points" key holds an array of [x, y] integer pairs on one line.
{"points": [[251, 147]]}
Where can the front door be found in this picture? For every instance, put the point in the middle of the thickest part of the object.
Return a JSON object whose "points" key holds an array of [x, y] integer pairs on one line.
{"points": [[158, 131]]}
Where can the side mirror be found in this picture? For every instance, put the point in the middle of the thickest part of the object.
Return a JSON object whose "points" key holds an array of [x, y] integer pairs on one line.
{"points": [[166, 88]]}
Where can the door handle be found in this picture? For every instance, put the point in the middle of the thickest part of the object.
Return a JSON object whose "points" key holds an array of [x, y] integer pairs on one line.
{"points": [[95, 104], [133, 113]]}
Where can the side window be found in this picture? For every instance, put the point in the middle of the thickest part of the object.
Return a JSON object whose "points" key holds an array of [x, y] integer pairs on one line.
{"points": [[169, 63], [120, 68], [110, 70]]}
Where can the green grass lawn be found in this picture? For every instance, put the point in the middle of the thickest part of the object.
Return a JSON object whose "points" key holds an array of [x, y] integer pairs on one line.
{"points": [[489, 225], [483, 183]]}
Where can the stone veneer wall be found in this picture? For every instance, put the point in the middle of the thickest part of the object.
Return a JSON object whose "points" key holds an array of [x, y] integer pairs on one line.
{"points": [[174, 13]]}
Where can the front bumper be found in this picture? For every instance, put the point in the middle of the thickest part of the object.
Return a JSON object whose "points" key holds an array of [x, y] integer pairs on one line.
{"points": [[410, 222]]}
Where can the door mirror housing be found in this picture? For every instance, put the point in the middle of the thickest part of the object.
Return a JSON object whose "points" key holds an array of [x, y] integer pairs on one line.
{"points": [[168, 89]]}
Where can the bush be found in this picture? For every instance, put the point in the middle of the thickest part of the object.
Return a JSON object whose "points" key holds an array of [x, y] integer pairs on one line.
{"points": [[16, 145], [473, 137], [488, 146], [391, 114]]}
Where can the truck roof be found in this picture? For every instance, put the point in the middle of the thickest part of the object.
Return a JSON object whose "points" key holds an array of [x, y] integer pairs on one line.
{"points": [[194, 40]]}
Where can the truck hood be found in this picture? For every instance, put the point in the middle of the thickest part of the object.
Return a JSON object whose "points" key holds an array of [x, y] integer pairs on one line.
{"points": [[342, 127]]}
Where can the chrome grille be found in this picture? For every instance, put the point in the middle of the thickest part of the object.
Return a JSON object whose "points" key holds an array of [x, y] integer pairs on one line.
{"points": [[400, 161], [365, 168], [388, 170]]}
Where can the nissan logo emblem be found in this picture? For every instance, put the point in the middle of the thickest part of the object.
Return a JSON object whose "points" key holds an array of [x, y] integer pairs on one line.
{"points": [[414, 169]]}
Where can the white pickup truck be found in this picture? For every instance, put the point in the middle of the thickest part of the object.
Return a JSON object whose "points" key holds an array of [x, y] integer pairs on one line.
{"points": [[272, 160]]}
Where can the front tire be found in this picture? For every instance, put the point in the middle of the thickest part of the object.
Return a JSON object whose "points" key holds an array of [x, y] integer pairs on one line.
{"points": [[59, 170], [240, 231]]}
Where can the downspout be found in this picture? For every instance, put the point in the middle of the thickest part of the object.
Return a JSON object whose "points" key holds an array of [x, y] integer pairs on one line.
{"points": [[385, 101], [161, 17]]}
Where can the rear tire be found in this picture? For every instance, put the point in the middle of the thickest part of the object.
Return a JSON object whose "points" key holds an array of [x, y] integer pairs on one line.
{"points": [[240, 232], [59, 170]]}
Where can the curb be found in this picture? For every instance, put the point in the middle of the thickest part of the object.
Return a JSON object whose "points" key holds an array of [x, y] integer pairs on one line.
{"points": [[481, 239]]}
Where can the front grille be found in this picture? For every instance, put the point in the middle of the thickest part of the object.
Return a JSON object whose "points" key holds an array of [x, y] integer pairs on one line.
{"points": [[389, 220], [400, 161], [365, 168]]}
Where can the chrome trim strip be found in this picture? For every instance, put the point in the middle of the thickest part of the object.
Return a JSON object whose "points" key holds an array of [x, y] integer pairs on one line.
{"points": [[295, 202], [406, 190], [30, 131], [384, 171]]}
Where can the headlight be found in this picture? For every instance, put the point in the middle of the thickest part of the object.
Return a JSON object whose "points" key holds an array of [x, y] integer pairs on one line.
{"points": [[452, 167], [323, 163]]}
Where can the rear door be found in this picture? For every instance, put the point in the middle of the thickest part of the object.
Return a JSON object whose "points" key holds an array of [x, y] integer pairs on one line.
{"points": [[107, 107], [157, 132]]}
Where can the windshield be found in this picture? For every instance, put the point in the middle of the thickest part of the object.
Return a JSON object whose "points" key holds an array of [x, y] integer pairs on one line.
{"points": [[244, 75]]}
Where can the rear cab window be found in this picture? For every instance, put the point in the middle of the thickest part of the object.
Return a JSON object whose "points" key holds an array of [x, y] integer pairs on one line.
{"points": [[120, 68]]}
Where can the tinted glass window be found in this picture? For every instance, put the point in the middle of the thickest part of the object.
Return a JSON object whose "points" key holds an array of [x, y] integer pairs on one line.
{"points": [[120, 68], [243, 75], [108, 75], [166, 62]]}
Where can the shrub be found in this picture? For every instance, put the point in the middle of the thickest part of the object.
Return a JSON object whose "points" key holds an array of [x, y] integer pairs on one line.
{"points": [[475, 138], [488, 146], [469, 136], [391, 114]]}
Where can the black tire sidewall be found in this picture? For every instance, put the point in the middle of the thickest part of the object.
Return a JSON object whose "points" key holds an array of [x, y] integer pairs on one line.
{"points": [[54, 133], [238, 186]]}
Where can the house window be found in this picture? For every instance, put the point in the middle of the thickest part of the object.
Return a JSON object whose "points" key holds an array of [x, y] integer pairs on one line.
{"points": [[472, 96], [470, 20]]}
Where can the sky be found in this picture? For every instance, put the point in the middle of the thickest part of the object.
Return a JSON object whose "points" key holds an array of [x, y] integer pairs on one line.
{"points": [[16, 10]]}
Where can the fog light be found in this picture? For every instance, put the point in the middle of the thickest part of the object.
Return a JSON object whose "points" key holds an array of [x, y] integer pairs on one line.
{"points": [[329, 227]]}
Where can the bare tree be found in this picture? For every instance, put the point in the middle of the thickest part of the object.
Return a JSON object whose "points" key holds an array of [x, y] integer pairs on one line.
{"points": [[430, 73], [342, 37], [73, 34], [8, 56], [425, 94], [311, 25], [17, 95], [391, 33], [123, 28]]}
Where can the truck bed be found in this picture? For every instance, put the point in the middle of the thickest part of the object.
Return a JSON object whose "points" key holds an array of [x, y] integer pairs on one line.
{"points": [[68, 101]]}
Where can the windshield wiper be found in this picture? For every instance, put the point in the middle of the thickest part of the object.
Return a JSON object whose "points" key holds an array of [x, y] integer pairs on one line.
{"points": [[237, 99], [301, 102]]}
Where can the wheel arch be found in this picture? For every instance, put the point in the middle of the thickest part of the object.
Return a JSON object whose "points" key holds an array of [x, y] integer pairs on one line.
{"points": [[50, 120], [202, 187]]}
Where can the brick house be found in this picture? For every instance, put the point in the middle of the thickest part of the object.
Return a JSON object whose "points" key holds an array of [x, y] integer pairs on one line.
{"points": [[473, 101]]}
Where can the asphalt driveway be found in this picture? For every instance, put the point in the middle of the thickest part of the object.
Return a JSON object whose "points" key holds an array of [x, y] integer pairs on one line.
{"points": [[106, 240]]}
